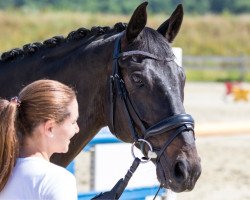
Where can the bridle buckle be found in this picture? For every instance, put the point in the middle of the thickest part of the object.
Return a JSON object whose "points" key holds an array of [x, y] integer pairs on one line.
{"points": [[151, 153]]}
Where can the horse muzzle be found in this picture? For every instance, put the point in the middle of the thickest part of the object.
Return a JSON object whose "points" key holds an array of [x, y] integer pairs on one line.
{"points": [[184, 176], [179, 171]]}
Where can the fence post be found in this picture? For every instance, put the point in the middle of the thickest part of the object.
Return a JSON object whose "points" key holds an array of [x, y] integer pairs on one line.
{"points": [[242, 68]]}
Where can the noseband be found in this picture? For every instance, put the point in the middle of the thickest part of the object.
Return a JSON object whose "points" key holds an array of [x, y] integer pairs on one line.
{"points": [[177, 123]]}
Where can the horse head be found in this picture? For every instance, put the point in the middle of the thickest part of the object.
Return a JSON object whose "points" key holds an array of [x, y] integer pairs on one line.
{"points": [[150, 107]]}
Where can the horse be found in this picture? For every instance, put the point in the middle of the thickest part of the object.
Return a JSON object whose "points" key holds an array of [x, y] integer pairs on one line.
{"points": [[126, 78]]}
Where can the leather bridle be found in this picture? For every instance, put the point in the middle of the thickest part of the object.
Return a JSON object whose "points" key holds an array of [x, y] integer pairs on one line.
{"points": [[177, 123]]}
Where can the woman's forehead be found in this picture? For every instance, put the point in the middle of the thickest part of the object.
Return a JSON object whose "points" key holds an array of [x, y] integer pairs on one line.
{"points": [[73, 109]]}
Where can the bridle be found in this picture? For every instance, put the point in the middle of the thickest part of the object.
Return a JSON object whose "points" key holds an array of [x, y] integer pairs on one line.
{"points": [[177, 123]]}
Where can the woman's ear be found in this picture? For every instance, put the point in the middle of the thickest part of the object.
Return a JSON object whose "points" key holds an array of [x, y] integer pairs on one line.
{"points": [[49, 125]]}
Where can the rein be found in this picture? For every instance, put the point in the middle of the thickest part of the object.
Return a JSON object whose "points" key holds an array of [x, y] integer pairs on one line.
{"points": [[177, 123]]}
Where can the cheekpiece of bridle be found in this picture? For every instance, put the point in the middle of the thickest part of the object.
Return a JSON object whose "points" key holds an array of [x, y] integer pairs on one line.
{"points": [[176, 124]]}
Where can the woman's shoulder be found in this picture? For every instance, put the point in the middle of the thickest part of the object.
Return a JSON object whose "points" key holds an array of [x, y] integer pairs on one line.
{"points": [[59, 183], [59, 171], [35, 166], [40, 179]]}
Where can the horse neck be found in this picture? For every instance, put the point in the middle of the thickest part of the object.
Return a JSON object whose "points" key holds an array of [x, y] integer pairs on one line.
{"points": [[92, 64], [85, 67], [96, 61]]}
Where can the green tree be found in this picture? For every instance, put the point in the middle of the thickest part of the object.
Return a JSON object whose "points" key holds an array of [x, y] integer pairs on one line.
{"points": [[241, 6], [126, 7], [196, 6]]}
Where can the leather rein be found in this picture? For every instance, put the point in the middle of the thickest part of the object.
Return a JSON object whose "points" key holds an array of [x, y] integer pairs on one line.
{"points": [[178, 123]]}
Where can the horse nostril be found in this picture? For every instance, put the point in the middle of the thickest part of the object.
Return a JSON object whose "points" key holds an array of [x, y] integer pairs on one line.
{"points": [[180, 172]]}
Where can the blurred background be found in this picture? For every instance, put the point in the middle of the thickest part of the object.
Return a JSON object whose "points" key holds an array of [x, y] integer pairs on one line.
{"points": [[215, 41]]}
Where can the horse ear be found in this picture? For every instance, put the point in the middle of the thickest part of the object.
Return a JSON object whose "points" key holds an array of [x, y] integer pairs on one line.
{"points": [[170, 28], [137, 22]]}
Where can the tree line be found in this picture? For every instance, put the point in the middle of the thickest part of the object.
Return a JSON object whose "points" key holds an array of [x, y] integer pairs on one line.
{"points": [[127, 6]]}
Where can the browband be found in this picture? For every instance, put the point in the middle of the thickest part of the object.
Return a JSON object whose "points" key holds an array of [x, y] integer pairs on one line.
{"points": [[143, 53]]}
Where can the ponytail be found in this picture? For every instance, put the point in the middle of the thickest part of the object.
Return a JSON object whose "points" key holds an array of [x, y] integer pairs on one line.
{"points": [[8, 140]]}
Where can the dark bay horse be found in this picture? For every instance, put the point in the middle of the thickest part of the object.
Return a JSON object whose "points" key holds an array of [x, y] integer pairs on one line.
{"points": [[127, 79]]}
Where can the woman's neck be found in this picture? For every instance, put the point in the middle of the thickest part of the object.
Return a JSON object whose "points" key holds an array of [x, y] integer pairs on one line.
{"points": [[32, 147]]}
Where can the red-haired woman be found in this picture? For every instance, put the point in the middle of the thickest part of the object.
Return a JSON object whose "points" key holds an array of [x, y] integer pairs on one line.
{"points": [[33, 126]]}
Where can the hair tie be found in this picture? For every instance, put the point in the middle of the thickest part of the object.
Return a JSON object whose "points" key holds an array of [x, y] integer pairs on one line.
{"points": [[15, 100]]}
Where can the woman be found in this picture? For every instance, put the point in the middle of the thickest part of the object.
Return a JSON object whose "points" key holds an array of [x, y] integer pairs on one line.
{"points": [[33, 126]]}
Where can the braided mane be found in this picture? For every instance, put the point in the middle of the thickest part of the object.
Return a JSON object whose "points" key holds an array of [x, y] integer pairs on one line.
{"points": [[30, 49]]}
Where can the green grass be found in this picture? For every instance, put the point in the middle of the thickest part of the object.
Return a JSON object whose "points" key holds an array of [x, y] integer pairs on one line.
{"points": [[19, 28], [215, 76], [199, 35]]}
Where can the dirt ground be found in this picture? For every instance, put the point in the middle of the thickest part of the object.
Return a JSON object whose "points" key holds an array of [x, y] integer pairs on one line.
{"points": [[223, 142], [225, 169]]}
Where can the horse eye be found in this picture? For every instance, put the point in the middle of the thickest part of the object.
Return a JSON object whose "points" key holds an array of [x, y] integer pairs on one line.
{"points": [[136, 79], [133, 58], [137, 59]]}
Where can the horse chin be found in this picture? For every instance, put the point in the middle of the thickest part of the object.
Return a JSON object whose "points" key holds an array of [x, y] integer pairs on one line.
{"points": [[171, 186], [168, 183], [162, 178]]}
